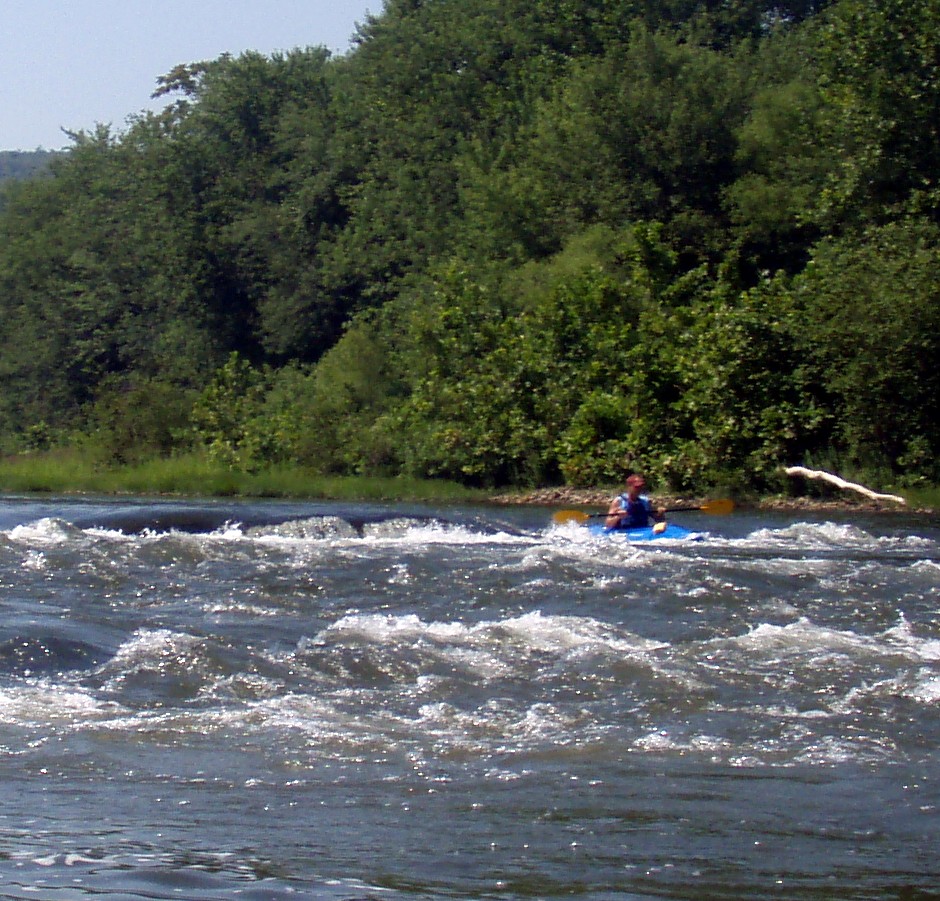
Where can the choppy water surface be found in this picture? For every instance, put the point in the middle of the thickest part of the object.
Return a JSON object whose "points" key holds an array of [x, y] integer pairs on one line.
{"points": [[264, 700]]}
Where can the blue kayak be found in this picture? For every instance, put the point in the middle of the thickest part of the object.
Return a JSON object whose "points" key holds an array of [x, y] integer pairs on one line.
{"points": [[672, 532]]}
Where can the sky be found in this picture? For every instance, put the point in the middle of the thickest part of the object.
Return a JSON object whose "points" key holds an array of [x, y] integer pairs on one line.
{"points": [[72, 64]]}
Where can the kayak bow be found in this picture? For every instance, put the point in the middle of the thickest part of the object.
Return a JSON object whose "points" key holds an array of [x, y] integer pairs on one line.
{"points": [[671, 532]]}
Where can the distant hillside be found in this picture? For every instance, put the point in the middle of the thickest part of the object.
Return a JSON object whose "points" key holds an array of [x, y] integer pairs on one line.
{"points": [[23, 163]]}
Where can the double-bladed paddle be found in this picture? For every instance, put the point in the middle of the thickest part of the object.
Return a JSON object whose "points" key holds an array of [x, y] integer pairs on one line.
{"points": [[718, 508]]}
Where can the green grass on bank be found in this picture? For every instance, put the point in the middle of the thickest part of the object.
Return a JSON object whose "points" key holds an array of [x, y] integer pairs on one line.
{"points": [[69, 472], [922, 497], [72, 472]]}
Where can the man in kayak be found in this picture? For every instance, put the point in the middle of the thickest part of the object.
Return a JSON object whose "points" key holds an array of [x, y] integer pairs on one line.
{"points": [[633, 509]]}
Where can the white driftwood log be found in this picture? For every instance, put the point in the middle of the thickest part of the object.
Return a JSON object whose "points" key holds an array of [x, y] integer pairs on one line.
{"points": [[850, 486]]}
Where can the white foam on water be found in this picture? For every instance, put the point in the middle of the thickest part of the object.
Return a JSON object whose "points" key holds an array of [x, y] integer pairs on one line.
{"points": [[501, 727], [310, 529], [382, 628], [575, 535], [927, 690], [859, 749], [158, 650], [804, 640], [565, 633], [571, 542], [664, 741], [535, 647], [232, 606], [816, 534], [410, 534], [327, 726], [48, 531], [801, 637], [790, 713], [831, 536], [111, 535], [902, 638], [42, 703], [35, 561], [310, 714], [533, 631], [149, 645], [335, 534]]}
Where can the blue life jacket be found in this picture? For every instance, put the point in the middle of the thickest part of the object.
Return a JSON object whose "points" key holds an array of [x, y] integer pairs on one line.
{"points": [[639, 512]]}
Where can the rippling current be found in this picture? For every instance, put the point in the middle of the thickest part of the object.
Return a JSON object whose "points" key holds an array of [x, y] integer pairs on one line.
{"points": [[279, 700]]}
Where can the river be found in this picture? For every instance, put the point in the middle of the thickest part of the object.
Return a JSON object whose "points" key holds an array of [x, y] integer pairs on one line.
{"points": [[272, 700]]}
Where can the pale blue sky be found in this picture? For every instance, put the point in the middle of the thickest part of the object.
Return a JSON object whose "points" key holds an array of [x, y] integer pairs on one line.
{"points": [[74, 63]]}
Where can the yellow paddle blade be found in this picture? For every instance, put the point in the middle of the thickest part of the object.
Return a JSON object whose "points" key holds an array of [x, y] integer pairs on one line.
{"points": [[719, 507], [562, 516]]}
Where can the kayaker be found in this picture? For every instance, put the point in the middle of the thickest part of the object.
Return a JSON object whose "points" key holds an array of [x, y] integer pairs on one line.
{"points": [[633, 509]]}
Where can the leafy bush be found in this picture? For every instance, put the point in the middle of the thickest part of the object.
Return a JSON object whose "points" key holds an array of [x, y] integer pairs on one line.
{"points": [[135, 421]]}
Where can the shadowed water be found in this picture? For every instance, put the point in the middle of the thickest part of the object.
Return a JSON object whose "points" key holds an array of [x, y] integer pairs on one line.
{"points": [[282, 700]]}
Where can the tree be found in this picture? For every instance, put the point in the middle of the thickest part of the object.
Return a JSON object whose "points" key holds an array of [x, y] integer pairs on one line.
{"points": [[782, 159], [881, 67], [871, 324], [258, 133], [498, 364], [644, 133]]}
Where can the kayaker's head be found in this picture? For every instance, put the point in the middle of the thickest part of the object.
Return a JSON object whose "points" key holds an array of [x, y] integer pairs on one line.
{"points": [[635, 484]]}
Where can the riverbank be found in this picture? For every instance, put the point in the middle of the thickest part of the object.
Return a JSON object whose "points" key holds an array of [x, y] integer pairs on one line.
{"points": [[596, 497], [70, 472]]}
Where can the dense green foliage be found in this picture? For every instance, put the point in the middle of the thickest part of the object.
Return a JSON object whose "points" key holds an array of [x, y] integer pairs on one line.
{"points": [[504, 243]]}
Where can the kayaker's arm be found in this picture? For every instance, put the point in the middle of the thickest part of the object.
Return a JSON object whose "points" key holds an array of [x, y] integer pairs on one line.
{"points": [[615, 514]]}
